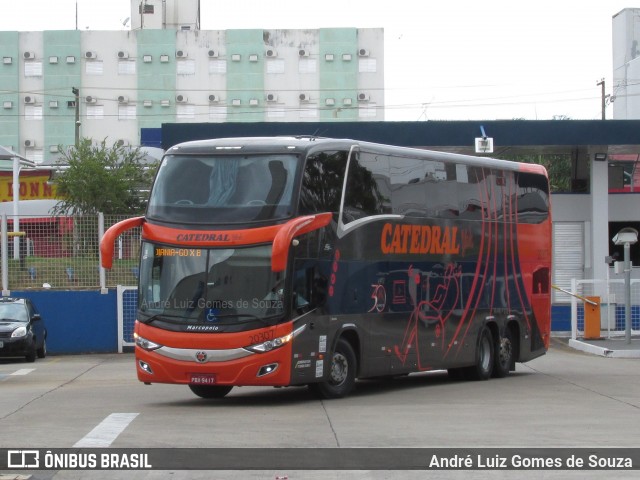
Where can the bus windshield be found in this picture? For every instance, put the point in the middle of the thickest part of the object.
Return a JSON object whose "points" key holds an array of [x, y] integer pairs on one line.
{"points": [[209, 286], [214, 189]]}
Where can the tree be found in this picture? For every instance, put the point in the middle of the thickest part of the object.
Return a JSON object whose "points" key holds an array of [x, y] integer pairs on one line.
{"points": [[98, 178]]}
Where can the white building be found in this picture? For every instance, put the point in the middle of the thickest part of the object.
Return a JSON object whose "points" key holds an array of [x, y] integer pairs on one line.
{"points": [[626, 64], [108, 85]]}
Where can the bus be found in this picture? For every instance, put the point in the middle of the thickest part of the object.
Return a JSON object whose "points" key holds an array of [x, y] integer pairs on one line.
{"points": [[307, 261]]}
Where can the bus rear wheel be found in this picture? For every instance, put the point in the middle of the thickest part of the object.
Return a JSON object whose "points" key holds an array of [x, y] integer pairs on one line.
{"points": [[210, 391], [485, 348], [342, 374], [504, 355]]}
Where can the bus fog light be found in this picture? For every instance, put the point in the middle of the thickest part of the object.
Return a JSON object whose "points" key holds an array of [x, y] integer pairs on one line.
{"points": [[145, 366], [267, 369]]}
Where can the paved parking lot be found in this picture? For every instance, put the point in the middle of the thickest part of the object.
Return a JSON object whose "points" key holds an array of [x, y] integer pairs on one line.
{"points": [[565, 399]]}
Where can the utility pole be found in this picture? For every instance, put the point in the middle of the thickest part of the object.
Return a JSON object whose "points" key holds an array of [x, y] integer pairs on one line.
{"points": [[76, 92], [601, 82]]}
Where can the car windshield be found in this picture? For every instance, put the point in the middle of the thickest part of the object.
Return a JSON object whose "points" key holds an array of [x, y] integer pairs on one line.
{"points": [[225, 189], [209, 286], [13, 312]]}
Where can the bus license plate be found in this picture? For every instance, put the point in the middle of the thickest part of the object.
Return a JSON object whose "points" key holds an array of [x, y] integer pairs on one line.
{"points": [[202, 379]]}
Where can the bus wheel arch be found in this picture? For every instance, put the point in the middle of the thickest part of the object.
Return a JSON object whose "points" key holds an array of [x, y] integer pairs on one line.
{"points": [[343, 370]]}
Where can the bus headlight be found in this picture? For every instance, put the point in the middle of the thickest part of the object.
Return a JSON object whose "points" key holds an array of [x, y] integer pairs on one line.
{"points": [[270, 344], [145, 344]]}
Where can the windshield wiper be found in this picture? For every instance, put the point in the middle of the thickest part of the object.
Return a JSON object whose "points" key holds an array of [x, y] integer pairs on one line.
{"points": [[160, 316], [251, 316]]}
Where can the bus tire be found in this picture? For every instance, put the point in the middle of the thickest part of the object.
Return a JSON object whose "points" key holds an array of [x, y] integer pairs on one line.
{"points": [[342, 373], [485, 349], [504, 355], [210, 391]]}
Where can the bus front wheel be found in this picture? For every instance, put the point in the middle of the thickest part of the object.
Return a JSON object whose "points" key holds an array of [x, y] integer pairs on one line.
{"points": [[342, 373], [210, 391]]}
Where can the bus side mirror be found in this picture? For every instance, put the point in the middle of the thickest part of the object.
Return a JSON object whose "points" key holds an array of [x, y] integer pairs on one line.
{"points": [[289, 231]]}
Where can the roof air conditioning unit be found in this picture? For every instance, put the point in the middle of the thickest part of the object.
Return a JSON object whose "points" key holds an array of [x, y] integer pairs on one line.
{"points": [[214, 98], [122, 54], [213, 54], [271, 53], [181, 98], [181, 54], [123, 99], [363, 52], [304, 97], [90, 55], [121, 142], [253, 102], [29, 143], [329, 101], [363, 97], [272, 97], [29, 55], [54, 149], [29, 99], [303, 53], [90, 99]]}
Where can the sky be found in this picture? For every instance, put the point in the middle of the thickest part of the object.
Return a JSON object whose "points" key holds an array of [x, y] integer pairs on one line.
{"points": [[444, 60]]}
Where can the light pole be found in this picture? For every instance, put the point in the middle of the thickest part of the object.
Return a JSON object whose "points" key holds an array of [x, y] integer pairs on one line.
{"points": [[627, 237], [76, 93], [603, 99]]}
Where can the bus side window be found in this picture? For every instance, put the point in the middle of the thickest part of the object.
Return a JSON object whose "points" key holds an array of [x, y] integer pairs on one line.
{"points": [[368, 187], [322, 183], [309, 289], [533, 198]]}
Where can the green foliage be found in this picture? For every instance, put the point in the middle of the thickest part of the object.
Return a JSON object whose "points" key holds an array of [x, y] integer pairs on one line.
{"points": [[558, 168], [98, 178]]}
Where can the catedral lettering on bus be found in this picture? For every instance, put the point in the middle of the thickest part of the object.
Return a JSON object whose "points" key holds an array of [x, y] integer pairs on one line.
{"points": [[316, 261], [419, 239]]}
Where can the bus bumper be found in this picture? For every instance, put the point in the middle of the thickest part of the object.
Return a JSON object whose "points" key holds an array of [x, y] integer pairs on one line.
{"points": [[267, 369]]}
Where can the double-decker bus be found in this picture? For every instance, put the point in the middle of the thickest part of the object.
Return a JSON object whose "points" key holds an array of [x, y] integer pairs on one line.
{"points": [[313, 261]]}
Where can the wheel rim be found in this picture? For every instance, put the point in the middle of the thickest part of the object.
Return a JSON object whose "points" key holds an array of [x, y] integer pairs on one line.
{"points": [[505, 351], [339, 369]]}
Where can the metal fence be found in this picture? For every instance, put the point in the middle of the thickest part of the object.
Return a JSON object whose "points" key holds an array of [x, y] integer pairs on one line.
{"points": [[612, 306], [64, 252], [127, 298]]}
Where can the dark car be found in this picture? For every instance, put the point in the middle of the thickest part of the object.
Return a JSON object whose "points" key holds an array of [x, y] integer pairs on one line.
{"points": [[22, 329]]}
